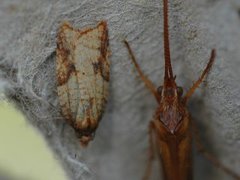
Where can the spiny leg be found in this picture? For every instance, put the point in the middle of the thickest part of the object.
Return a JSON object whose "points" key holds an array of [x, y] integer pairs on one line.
{"points": [[145, 79], [199, 81], [148, 170], [209, 157]]}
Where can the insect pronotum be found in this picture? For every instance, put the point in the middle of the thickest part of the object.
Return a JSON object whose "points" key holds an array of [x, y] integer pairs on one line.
{"points": [[83, 76], [170, 130]]}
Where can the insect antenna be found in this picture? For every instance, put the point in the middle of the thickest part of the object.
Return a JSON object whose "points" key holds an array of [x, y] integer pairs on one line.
{"points": [[168, 66]]}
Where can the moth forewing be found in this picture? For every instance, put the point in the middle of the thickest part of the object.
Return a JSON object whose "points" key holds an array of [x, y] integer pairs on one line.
{"points": [[83, 76]]}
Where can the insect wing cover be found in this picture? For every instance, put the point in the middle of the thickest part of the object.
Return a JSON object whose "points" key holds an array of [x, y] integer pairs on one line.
{"points": [[83, 76]]}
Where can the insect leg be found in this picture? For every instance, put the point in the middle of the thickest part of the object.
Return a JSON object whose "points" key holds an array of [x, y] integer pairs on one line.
{"points": [[209, 157], [148, 170], [204, 73], [145, 79]]}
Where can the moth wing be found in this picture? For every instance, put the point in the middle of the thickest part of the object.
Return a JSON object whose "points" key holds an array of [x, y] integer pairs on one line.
{"points": [[67, 87], [92, 67]]}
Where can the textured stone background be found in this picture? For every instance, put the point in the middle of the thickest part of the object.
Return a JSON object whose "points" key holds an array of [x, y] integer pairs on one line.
{"points": [[119, 151]]}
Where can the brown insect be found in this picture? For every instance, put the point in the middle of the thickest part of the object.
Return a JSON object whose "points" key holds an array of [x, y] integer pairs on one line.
{"points": [[171, 128]]}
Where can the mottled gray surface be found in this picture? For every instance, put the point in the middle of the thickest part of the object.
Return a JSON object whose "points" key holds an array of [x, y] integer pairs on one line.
{"points": [[27, 59]]}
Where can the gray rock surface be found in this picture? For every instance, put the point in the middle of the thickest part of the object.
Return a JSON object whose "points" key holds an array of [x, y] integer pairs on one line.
{"points": [[27, 61]]}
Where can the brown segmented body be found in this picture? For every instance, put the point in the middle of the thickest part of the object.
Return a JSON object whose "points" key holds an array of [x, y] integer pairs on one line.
{"points": [[83, 76]]}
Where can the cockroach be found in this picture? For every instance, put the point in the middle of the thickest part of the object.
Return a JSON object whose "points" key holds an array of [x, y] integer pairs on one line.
{"points": [[170, 131]]}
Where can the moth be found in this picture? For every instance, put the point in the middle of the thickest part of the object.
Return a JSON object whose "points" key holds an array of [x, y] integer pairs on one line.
{"points": [[82, 68], [170, 131]]}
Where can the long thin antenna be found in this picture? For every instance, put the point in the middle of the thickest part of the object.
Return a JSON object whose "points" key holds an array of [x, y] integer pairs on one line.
{"points": [[168, 66]]}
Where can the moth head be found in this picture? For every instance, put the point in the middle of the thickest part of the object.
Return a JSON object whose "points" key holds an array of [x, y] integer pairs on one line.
{"points": [[169, 92], [170, 110]]}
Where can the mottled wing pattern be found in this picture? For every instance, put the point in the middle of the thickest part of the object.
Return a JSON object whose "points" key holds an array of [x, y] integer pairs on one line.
{"points": [[83, 76]]}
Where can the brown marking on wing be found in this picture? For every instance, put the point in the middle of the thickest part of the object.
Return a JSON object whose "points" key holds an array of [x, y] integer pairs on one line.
{"points": [[102, 66], [104, 40], [63, 77], [86, 30], [97, 68], [67, 114], [65, 66], [85, 129], [104, 49]]}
